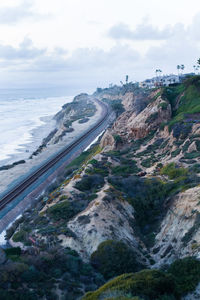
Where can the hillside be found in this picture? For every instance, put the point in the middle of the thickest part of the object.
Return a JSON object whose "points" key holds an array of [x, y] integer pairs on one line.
{"points": [[128, 207]]}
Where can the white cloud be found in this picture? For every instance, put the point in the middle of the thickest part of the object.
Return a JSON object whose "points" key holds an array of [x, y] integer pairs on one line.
{"points": [[25, 51], [143, 31], [70, 50], [14, 14]]}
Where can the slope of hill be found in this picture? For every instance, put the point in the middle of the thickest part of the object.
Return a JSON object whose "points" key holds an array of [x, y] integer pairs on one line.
{"points": [[131, 202]]}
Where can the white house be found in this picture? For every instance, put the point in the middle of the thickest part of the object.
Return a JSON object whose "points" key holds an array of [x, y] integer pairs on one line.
{"points": [[154, 82]]}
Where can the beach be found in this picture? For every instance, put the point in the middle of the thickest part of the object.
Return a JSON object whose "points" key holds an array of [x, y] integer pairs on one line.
{"points": [[9, 178]]}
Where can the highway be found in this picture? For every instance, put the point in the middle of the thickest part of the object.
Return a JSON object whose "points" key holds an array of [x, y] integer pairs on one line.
{"points": [[31, 178]]}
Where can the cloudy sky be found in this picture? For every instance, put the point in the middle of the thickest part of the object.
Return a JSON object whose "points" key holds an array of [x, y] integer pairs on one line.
{"points": [[82, 44]]}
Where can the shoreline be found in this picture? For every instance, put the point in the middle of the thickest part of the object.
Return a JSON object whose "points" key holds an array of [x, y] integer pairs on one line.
{"points": [[24, 130], [37, 135], [13, 212], [10, 177]]}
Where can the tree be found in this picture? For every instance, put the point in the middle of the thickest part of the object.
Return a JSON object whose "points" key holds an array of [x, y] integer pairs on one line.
{"points": [[113, 258], [196, 68], [178, 68], [99, 90], [117, 107], [182, 67], [158, 71]]}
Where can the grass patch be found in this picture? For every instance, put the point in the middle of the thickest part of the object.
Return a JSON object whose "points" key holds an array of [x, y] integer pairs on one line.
{"points": [[173, 171], [84, 157]]}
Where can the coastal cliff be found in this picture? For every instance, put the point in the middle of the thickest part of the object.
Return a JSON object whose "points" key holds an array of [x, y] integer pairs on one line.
{"points": [[131, 200]]}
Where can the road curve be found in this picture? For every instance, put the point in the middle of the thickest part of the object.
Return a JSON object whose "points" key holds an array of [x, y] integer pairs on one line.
{"points": [[23, 185]]}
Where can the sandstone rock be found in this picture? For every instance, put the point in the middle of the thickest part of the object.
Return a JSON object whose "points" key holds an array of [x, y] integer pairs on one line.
{"points": [[137, 126], [106, 220], [192, 147], [107, 140], [179, 222]]}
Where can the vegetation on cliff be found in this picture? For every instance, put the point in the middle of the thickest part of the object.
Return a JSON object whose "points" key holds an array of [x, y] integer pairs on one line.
{"points": [[146, 174], [180, 278]]}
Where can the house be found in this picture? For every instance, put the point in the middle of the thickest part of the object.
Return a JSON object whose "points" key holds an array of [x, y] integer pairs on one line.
{"points": [[159, 81]]}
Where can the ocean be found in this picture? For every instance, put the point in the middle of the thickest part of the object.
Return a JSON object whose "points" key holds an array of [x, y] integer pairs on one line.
{"points": [[26, 117]]}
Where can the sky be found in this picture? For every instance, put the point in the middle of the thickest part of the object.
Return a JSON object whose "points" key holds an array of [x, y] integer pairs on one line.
{"points": [[84, 44]]}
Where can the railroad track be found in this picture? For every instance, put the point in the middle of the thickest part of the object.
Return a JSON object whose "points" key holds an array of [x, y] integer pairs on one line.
{"points": [[23, 185]]}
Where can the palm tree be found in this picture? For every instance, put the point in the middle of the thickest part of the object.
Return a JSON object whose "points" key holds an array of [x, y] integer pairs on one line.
{"points": [[178, 68], [156, 72], [196, 68], [160, 71], [182, 67]]}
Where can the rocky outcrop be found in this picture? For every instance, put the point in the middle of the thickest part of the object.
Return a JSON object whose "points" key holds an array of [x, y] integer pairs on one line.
{"points": [[107, 141], [102, 220], [135, 126], [142, 115], [192, 147], [179, 234]]}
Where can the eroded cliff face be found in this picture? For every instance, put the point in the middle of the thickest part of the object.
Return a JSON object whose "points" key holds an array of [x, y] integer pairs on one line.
{"points": [[102, 220], [148, 195], [179, 234], [179, 231], [142, 115]]}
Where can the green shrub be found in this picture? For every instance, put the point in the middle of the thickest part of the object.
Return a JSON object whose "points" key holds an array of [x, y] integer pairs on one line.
{"points": [[147, 163], [117, 106], [13, 251], [63, 197], [84, 157], [101, 171], [188, 103], [63, 210], [173, 171], [192, 155], [163, 105], [90, 183], [146, 196], [125, 170], [186, 146], [195, 168], [186, 272], [176, 152], [147, 284], [93, 162], [20, 236], [118, 139], [113, 258]]}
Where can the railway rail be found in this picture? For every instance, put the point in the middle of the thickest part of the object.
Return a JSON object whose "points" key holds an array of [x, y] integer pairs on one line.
{"points": [[24, 184]]}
